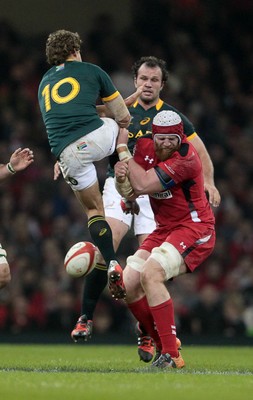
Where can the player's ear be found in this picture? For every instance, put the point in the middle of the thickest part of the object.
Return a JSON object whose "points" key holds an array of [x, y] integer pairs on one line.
{"points": [[135, 83]]}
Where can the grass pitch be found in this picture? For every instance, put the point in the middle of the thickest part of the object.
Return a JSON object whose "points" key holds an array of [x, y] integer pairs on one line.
{"points": [[71, 372]]}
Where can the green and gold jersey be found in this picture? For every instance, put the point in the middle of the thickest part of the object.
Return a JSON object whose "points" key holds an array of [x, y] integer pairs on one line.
{"points": [[67, 98], [141, 125]]}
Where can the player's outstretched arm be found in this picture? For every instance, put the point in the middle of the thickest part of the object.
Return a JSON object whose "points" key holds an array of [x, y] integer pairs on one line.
{"points": [[130, 100], [104, 111], [208, 172], [19, 160]]}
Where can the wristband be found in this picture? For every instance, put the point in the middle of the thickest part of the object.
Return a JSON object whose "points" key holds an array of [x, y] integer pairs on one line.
{"points": [[2, 252], [123, 152], [10, 168]]}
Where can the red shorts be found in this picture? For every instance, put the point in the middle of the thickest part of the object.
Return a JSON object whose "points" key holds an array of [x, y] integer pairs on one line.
{"points": [[193, 245]]}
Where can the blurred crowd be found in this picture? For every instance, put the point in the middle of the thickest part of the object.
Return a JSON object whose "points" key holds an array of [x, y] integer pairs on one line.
{"points": [[208, 47]]}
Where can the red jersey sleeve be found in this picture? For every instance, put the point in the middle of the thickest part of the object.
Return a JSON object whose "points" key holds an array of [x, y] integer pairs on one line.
{"points": [[141, 152]]}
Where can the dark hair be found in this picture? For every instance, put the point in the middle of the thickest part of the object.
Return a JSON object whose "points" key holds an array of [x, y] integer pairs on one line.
{"points": [[60, 45], [151, 62]]}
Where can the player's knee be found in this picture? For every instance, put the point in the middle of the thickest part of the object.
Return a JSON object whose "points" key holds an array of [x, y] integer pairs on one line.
{"points": [[149, 275], [169, 258], [133, 286], [135, 262]]}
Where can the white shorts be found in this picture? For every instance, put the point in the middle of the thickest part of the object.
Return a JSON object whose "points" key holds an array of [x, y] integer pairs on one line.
{"points": [[143, 223], [76, 160]]}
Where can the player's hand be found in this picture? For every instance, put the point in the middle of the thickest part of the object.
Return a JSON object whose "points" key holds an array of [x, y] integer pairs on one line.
{"points": [[130, 100], [103, 111], [120, 170], [57, 171], [21, 159], [130, 207], [213, 195]]}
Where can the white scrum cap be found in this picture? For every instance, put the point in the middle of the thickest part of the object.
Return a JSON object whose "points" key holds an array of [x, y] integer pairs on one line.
{"points": [[168, 123]]}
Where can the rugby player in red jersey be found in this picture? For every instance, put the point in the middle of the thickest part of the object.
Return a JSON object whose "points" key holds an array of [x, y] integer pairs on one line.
{"points": [[166, 167]]}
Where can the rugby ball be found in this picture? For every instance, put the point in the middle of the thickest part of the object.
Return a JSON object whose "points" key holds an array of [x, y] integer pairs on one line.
{"points": [[81, 259]]}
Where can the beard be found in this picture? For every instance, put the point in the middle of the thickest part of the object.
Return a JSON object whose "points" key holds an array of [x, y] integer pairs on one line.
{"points": [[164, 154], [147, 100]]}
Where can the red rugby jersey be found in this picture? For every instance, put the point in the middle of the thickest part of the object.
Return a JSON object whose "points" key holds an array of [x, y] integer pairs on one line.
{"points": [[185, 203]]}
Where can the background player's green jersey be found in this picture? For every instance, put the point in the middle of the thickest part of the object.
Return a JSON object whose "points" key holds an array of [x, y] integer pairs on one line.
{"points": [[67, 98], [141, 125]]}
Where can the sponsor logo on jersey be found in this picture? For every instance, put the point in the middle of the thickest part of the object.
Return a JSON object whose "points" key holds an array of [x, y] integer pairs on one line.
{"points": [[145, 121], [162, 195], [150, 160]]}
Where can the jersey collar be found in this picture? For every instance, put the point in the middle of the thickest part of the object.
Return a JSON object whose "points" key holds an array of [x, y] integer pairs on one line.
{"points": [[158, 105]]}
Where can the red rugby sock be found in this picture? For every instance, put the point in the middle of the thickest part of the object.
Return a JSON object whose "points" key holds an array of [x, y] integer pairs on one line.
{"points": [[140, 309], [163, 315]]}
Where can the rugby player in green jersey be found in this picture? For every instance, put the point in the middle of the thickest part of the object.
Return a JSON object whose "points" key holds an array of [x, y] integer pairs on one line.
{"points": [[77, 136]]}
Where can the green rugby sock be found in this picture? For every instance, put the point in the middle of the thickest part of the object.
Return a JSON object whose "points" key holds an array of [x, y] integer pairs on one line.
{"points": [[101, 234]]}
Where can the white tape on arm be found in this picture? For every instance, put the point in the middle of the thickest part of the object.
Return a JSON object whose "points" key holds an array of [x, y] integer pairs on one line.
{"points": [[3, 255], [123, 152], [120, 111], [124, 188]]}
